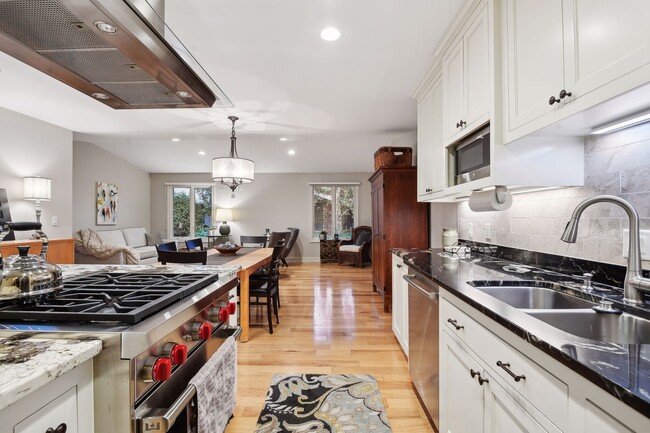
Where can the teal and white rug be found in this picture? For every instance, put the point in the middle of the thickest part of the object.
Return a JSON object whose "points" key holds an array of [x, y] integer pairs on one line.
{"points": [[323, 403]]}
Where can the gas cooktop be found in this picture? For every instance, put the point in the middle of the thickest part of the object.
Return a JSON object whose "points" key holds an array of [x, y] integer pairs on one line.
{"points": [[107, 297]]}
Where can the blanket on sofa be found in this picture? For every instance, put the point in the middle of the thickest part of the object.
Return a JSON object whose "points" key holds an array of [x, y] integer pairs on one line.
{"points": [[88, 241]]}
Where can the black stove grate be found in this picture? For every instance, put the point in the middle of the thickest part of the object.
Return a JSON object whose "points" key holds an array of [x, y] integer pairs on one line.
{"points": [[108, 297]]}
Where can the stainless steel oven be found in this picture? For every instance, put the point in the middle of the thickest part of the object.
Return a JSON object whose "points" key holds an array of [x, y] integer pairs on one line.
{"points": [[469, 158]]}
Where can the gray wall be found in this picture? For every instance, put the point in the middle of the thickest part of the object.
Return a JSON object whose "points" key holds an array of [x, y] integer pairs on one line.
{"points": [[93, 164], [274, 201], [617, 164], [30, 147]]}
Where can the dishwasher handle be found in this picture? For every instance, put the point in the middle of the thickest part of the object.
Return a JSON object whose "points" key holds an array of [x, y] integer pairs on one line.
{"points": [[409, 279]]}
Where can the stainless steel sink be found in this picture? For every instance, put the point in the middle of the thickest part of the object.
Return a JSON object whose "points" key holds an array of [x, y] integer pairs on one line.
{"points": [[613, 328], [528, 297]]}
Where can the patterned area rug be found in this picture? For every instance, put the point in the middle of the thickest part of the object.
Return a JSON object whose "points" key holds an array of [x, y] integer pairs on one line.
{"points": [[323, 403]]}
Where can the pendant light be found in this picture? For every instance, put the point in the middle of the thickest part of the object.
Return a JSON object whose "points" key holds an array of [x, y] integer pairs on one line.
{"points": [[232, 170]]}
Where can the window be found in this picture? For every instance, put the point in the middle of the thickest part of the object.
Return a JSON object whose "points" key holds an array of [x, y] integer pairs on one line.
{"points": [[334, 209], [189, 210]]}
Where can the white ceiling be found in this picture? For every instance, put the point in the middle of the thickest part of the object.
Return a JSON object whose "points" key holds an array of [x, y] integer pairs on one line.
{"points": [[336, 102]]}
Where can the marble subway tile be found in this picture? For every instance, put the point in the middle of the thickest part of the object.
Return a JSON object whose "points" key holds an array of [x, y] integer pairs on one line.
{"points": [[606, 183], [605, 228], [597, 143], [635, 180]]}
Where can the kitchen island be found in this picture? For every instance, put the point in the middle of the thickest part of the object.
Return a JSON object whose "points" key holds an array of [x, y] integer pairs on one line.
{"points": [[616, 393]]}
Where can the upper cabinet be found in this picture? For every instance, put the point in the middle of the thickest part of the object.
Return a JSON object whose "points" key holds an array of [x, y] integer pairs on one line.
{"points": [[563, 56], [431, 149], [466, 77]]}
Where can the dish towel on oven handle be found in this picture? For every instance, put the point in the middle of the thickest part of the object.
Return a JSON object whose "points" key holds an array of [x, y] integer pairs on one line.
{"points": [[215, 389]]}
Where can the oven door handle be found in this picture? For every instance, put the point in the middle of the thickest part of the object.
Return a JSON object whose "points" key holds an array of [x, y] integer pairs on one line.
{"points": [[162, 423]]}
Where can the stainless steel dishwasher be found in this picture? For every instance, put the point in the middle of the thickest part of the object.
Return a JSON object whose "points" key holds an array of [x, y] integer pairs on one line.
{"points": [[424, 337]]}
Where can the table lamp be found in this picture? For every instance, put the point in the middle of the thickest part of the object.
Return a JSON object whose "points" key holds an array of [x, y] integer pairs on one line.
{"points": [[224, 215], [37, 189]]}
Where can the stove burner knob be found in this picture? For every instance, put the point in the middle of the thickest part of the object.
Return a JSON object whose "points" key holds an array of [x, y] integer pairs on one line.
{"points": [[224, 314], [232, 307], [200, 331], [156, 369], [177, 353]]}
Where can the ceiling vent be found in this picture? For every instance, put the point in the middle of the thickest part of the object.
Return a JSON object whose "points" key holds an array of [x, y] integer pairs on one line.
{"points": [[119, 52]]}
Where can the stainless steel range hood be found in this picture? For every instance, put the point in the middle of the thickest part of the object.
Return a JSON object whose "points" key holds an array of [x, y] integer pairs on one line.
{"points": [[119, 52]]}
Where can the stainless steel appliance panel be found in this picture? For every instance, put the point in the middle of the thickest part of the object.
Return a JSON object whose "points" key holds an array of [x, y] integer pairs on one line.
{"points": [[470, 157], [424, 337]]}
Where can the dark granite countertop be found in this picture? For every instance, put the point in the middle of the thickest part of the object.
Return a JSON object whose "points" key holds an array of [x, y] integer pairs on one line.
{"points": [[623, 370]]}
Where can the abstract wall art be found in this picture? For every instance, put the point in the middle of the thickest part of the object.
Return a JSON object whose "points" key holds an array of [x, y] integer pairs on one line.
{"points": [[106, 204]]}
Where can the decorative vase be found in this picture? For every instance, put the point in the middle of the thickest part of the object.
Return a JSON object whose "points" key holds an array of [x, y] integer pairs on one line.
{"points": [[449, 237], [323, 235], [224, 229]]}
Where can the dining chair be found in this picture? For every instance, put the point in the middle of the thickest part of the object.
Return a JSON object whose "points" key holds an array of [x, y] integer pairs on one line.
{"points": [[252, 241], [268, 287], [165, 257], [167, 246], [194, 244], [291, 241]]}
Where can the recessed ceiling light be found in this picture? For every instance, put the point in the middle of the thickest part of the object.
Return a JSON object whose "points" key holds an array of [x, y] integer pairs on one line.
{"points": [[105, 27], [284, 139], [330, 34], [291, 152], [100, 95], [202, 152], [184, 94], [175, 139]]}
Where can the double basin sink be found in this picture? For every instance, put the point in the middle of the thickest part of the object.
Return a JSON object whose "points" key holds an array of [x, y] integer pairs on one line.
{"points": [[571, 314]]}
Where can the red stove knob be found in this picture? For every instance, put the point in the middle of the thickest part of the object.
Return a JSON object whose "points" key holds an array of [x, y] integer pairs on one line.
{"points": [[232, 307], [200, 331], [177, 353], [156, 369], [224, 314]]}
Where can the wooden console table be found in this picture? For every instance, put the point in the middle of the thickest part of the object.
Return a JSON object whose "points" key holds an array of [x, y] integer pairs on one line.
{"points": [[329, 251], [59, 251]]}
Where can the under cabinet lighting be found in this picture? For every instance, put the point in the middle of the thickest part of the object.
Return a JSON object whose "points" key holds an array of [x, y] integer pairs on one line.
{"points": [[633, 120]]}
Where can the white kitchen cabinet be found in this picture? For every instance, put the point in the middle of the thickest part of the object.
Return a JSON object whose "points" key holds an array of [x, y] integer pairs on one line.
{"points": [[400, 320], [462, 400], [431, 150], [466, 77], [472, 401], [67, 400], [592, 50]]}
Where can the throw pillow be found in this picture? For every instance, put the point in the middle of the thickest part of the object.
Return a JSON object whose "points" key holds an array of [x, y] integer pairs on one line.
{"points": [[153, 240], [362, 238]]}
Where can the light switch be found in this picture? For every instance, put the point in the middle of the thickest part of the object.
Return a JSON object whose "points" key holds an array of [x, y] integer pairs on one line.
{"points": [[55, 221]]}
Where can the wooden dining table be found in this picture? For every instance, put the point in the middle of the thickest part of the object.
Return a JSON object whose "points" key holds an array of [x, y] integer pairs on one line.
{"points": [[249, 259]]}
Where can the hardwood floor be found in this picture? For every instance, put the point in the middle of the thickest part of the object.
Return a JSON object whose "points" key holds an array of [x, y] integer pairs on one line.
{"points": [[330, 322]]}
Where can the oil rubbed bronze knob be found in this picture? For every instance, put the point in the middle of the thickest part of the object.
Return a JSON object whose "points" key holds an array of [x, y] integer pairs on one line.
{"points": [[564, 94], [461, 124], [553, 100]]}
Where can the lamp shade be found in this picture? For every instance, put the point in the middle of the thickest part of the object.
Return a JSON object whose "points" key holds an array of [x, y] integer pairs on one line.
{"points": [[37, 188], [224, 215], [240, 170]]}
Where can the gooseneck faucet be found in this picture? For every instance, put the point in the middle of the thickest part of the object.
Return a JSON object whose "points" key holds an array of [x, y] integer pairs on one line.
{"points": [[635, 283]]}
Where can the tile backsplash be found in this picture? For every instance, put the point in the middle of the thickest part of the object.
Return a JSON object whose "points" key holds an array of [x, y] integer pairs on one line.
{"points": [[616, 164]]}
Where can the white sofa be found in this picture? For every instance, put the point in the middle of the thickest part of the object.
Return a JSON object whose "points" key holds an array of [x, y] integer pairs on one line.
{"points": [[134, 237]]}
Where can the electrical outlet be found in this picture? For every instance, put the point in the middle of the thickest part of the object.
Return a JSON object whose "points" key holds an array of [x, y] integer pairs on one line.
{"points": [[644, 245], [55, 221], [470, 231], [487, 231]]}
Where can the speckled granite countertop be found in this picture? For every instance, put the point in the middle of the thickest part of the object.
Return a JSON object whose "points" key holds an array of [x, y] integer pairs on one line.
{"points": [[623, 370], [26, 364]]}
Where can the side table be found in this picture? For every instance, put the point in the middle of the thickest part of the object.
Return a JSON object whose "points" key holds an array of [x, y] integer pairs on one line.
{"points": [[329, 251]]}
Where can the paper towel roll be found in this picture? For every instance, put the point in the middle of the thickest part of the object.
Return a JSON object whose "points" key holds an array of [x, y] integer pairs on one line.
{"points": [[486, 201]]}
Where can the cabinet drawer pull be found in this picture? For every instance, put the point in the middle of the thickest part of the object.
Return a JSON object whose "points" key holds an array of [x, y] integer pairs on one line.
{"points": [[61, 428], [474, 373], [461, 124], [455, 324], [481, 381], [399, 266], [564, 94], [505, 365], [553, 100]]}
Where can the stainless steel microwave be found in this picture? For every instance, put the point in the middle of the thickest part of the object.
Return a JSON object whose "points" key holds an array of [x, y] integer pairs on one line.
{"points": [[469, 158]]}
